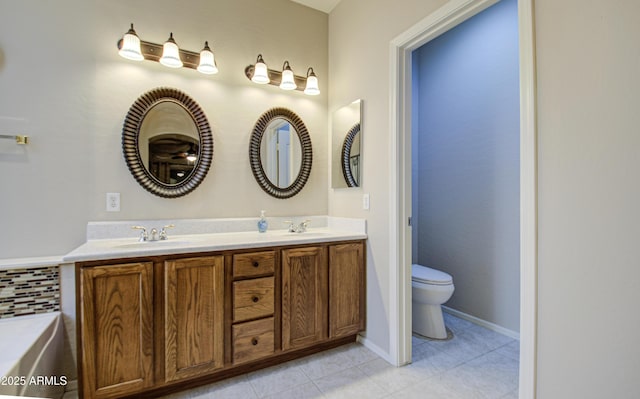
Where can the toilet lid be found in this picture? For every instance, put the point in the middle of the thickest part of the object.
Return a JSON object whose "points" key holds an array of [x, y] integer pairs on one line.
{"points": [[427, 275]]}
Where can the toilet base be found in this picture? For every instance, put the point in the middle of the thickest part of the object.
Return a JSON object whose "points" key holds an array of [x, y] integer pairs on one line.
{"points": [[430, 323]]}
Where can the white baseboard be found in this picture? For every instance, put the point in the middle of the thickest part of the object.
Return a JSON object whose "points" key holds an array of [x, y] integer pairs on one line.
{"points": [[374, 348], [483, 323]]}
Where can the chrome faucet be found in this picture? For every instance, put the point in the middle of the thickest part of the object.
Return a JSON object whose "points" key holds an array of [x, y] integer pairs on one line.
{"points": [[143, 234], [301, 228], [163, 232], [154, 234], [292, 227]]}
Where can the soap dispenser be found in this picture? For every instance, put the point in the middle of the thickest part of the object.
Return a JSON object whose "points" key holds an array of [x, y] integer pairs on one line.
{"points": [[262, 223]]}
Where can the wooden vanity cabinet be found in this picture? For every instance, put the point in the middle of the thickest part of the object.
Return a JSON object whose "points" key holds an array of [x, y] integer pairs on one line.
{"points": [[116, 334], [304, 296], [193, 317], [150, 326], [346, 289], [253, 317], [323, 293]]}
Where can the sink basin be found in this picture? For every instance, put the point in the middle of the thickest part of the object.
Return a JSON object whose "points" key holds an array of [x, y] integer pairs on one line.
{"points": [[152, 244], [286, 233], [312, 234]]}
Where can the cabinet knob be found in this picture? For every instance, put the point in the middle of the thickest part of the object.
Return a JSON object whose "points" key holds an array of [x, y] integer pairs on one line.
{"points": [[254, 341], [256, 264], [255, 298]]}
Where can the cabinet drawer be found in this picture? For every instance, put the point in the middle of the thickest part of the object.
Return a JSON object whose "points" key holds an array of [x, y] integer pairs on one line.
{"points": [[253, 298], [253, 340], [253, 264]]}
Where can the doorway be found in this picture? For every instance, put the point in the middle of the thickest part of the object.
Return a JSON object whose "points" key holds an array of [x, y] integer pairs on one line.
{"points": [[465, 164], [450, 15]]}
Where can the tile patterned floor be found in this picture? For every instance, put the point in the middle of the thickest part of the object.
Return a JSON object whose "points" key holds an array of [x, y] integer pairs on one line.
{"points": [[475, 363]]}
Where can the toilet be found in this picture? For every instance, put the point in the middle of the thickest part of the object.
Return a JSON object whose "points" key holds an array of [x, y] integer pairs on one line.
{"points": [[430, 288]]}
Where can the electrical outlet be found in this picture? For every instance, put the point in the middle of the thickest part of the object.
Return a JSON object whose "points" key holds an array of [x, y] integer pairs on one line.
{"points": [[113, 202], [365, 202]]}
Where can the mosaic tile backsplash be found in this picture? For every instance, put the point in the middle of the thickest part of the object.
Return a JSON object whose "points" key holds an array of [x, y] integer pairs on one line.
{"points": [[29, 291]]}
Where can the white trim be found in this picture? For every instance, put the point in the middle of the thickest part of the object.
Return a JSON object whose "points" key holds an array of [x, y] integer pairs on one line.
{"points": [[483, 323], [438, 22], [528, 203], [23, 263], [400, 306], [443, 19], [367, 343]]}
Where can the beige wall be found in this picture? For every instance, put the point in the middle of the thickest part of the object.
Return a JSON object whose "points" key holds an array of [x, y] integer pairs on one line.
{"points": [[61, 75], [359, 36], [588, 59]]}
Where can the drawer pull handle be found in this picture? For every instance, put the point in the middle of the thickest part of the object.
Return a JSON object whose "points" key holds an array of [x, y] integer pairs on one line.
{"points": [[256, 264], [255, 298], [254, 341]]}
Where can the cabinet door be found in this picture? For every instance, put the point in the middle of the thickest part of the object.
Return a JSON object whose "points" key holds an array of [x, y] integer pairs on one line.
{"points": [[194, 306], [304, 296], [346, 289], [116, 321]]}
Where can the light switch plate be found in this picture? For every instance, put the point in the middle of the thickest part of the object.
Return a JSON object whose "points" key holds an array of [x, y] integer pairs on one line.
{"points": [[365, 202]]}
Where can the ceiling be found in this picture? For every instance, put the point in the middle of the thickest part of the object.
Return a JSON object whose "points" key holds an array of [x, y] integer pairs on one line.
{"points": [[321, 5]]}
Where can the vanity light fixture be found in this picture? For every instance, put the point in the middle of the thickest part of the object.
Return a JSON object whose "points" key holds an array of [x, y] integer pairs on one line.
{"points": [[168, 54], [286, 80]]}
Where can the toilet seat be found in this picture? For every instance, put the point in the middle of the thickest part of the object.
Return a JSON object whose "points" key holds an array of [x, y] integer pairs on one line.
{"points": [[427, 275]]}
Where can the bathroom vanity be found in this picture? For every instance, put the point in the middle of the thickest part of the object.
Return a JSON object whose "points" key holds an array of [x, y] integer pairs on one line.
{"points": [[154, 319]]}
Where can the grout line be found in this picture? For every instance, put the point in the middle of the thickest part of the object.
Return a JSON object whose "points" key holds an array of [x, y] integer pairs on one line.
{"points": [[253, 388], [312, 380]]}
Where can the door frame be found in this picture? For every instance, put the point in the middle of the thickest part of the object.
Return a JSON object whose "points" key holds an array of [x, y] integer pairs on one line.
{"points": [[443, 19]]}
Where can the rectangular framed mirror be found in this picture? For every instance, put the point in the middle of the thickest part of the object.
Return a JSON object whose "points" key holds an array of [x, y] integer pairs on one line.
{"points": [[346, 146]]}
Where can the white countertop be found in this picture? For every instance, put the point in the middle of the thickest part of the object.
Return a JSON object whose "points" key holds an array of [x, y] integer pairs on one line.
{"points": [[108, 248]]}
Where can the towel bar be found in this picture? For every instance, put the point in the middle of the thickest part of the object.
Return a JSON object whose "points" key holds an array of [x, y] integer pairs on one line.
{"points": [[20, 139]]}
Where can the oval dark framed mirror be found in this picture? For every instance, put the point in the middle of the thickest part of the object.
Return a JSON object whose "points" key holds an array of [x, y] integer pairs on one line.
{"points": [[167, 142], [346, 146], [280, 153], [351, 156]]}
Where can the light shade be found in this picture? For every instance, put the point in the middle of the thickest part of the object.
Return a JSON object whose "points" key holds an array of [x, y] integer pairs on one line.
{"points": [[207, 61], [171, 54], [130, 46], [260, 72], [312, 88], [287, 82]]}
